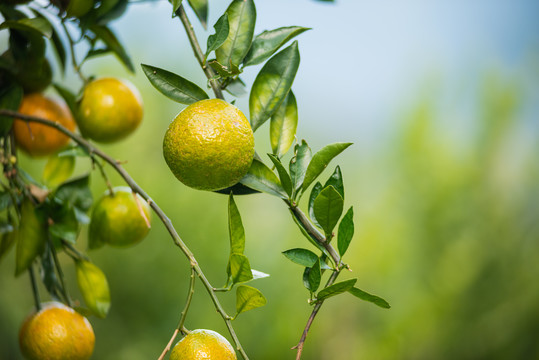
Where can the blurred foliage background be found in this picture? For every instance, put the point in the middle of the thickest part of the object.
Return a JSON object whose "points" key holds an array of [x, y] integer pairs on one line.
{"points": [[444, 179]]}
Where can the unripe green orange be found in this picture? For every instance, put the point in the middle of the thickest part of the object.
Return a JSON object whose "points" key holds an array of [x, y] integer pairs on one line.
{"points": [[118, 219], [209, 145]]}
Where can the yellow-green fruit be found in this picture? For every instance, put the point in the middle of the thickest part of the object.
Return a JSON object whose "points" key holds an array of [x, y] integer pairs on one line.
{"points": [[110, 110], [56, 332], [203, 344], [117, 219], [209, 145]]}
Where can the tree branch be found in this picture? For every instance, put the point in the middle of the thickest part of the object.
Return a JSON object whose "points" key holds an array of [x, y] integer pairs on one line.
{"points": [[208, 71], [94, 151]]}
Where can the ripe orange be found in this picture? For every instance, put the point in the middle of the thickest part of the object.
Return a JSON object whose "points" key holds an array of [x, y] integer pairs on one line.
{"points": [[56, 332], [209, 145], [203, 344], [110, 110], [38, 139]]}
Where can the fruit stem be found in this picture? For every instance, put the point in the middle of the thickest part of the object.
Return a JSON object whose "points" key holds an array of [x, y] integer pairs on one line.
{"points": [[93, 151], [35, 291], [208, 71]]}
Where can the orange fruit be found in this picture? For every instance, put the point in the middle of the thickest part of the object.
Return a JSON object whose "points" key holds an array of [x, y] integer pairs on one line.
{"points": [[39, 139], [117, 219], [56, 332], [110, 110], [209, 145], [203, 344]]}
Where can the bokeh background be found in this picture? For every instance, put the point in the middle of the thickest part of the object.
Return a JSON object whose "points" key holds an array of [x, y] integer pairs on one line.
{"points": [[441, 101]]}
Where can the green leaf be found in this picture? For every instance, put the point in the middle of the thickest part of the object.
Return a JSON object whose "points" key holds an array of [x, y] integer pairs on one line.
{"points": [[261, 178], [335, 180], [283, 125], [302, 257], [321, 160], [112, 42], [336, 289], [316, 190], [240, 268], [283, 175], [315, 276], [221, 33], [241, 19], [248, 298], [272, 84], [224, 71], [346, 231], [69, 97], [299, 163], [37, 24], [31, 237], [58, 169], [236, 87], [7, 239], [94, 287], [200, 7], [175, 6], [5, 200], [235, 228], [268, 42], [174, 86], [75, 193], [369, 297], [66, 225], [57, 41], [10, 99], [327, 209]]}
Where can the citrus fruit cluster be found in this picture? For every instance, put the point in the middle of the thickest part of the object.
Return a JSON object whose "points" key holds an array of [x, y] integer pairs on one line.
{"points": [[209, 145], [202, 344], [56, 332], [109, 110]]}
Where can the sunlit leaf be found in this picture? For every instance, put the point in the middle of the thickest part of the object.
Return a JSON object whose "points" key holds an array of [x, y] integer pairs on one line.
{"points": [[268, 42], [10, 99], [259, 274], [112, 42], [346, 231], [283, 175], [94, 287], [58, 169], [336, 289], [327, 208], [200, 7], [272, 84], [240, 268], [31, 237], [283, 125], [175, 5], [336, 181], [174, 86], [261, 178], [248, 298], [321, 160], [241, 19], [299, 163], [369, 297], [221, 33], [235, 228]]}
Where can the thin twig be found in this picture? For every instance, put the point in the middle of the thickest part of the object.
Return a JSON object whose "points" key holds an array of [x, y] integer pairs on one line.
{"points": [[182, 316], [94, 151], [60, 273], [76, 66], [35, 291], [208, 71], [316, 308]]}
